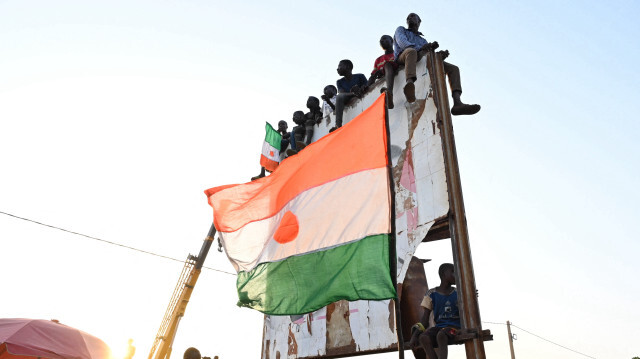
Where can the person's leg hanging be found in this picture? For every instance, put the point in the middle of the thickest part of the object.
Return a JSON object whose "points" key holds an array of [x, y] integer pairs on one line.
{"points": [[389, 76], [409, 57], [459, 108]]}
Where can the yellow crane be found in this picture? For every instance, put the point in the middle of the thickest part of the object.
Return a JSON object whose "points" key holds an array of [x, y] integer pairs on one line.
{"points": [[163, 342]]}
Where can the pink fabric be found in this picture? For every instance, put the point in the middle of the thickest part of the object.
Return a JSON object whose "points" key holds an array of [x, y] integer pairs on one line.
{"points": [[44, 338], [408, 179]]}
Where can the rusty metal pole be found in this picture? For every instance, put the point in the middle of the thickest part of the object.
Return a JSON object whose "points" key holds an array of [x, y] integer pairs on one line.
{"points": [[467, 299], [393, 255], [513, 353]]}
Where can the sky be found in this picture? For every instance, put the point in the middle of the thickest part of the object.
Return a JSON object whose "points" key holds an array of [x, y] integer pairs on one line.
{"points": [[116, 116]]}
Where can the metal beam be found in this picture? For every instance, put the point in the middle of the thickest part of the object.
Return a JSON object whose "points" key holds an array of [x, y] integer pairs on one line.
{"points": [[465, 279]]}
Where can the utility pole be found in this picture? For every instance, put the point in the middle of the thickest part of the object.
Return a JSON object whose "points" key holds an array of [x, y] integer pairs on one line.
{"points": [[513, 354]]}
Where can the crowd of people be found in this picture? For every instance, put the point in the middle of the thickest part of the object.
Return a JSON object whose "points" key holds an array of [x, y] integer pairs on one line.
{"points": [[405, 48]]}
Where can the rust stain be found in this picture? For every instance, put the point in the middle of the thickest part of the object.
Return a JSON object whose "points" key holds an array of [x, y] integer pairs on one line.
{"points": [[330, 308], [417, 109], [309, 320], [293, 345], [411, 236], [278, 354], [266, 352], [414, 289], [409, 203], [397, 169], [392, 315]]}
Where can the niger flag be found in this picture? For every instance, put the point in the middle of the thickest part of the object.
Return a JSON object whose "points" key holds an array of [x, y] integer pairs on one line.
{"points": [[270, 156], [316, 230]]}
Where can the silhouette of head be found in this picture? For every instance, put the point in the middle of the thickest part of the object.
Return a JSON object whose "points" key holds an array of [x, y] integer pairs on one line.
{"points": [[282, 126], [446, 272], [313, 103], [386, 42], [413, 21], [330, 91], [345, 67], [298, 117], [192, 353]]}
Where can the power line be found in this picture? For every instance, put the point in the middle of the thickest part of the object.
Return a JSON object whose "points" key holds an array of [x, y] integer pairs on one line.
{"points": [[108, 242], [560, 345], [494, 323], [545, 339]]}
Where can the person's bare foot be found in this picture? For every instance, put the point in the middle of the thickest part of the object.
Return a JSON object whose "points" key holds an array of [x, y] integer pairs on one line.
{"points": [[464, 109], [410, 92]]}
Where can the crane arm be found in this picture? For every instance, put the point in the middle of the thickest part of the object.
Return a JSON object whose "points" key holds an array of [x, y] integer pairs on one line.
{"points": [[163, 342]]}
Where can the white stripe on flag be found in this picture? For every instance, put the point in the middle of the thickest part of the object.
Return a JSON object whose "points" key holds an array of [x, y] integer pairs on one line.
{"points": [[270, 152], [331, 214]]}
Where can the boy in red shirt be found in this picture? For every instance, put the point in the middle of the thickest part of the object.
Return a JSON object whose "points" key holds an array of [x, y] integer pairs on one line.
{"points": [[386, 66]]}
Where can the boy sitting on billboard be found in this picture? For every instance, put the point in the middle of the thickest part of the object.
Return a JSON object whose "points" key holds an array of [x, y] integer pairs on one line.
{"points": [[443, 302]]}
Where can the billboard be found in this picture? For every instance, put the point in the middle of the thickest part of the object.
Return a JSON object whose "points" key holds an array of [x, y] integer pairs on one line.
{"points": [[421, 200]]}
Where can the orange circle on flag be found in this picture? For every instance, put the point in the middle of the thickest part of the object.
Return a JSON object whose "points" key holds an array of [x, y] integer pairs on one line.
{"points": [[288, 229]]}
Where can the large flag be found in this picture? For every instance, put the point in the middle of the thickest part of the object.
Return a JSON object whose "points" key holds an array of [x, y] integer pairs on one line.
{"points": [[270, 149], [317, 229]]}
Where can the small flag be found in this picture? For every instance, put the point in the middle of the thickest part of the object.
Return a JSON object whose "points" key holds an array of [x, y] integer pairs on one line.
{"points": [[317, 230], [270, 157]]}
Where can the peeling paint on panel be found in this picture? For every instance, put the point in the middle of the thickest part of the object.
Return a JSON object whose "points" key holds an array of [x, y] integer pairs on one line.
{"points": [[383, 333], [339, 336], [392, 315], [309, 320], [370, 326], [293, 345]]}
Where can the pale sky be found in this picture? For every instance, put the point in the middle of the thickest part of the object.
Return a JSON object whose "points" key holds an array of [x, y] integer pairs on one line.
{"points": [[115, 116]]}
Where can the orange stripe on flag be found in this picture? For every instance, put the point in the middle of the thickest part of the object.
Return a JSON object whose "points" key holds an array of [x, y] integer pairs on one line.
{"points": [[359, 145], [268, 164]]}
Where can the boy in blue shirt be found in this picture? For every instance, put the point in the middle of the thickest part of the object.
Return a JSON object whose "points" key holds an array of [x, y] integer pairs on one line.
{"points": [[349, 86], [443, 302]]}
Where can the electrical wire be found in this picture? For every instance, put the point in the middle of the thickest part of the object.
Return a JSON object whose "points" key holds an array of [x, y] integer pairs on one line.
{"points": [[494, 323], [108, 242], [545, 339], [221, 271], [560, 345]]}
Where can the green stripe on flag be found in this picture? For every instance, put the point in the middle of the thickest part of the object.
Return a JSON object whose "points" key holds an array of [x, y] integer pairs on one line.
{"points": [[272, 137], [302, 284]]}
